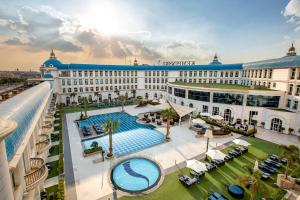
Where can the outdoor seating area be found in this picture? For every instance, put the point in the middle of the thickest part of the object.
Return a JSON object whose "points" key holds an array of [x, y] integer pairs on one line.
{"points": [[157, 119], [220, 182], [86, 131]]}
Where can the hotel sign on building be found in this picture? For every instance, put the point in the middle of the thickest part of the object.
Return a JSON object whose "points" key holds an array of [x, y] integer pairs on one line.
{"points": [[171, 63]]}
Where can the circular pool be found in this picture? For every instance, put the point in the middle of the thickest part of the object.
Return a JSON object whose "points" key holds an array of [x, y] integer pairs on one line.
{"points": [[135, 175]]}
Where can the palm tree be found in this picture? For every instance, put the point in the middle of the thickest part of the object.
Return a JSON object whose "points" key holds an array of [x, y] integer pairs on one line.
{"points": [[122, 99], [110, 126], [292, 154], [169, 114], [84, 101], [253, 182], [133, 92], [94, 145], [96, 94]]}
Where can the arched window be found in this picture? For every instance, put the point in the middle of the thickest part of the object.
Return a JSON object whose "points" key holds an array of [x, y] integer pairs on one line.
{"points": [[276, 124], [227, 115], [67, 100], [182, 103], [191, 105], [146, 95], [155, 95]]}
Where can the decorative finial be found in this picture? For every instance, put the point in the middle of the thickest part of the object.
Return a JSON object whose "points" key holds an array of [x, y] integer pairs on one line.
{"points": [[292, 51], [135, 62], [52, 55]]}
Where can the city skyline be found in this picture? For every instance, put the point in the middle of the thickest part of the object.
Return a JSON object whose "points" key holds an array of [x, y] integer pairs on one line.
{"points": [[108, 31]]}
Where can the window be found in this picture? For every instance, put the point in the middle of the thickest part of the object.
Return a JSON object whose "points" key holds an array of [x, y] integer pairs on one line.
{"points": [[270, 73], [295, 106], [199, 96], [215, 110], [297, 90], [74, 74], [263, 101], [293, 73], [205, 108], [291, 88], [228, 98], [179, 92], [288, 103]]}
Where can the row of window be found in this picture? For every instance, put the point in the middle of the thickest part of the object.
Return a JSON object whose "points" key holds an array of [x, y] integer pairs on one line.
{"points": [[97, 81], [258, 73], [209, 73], [97, 89], [291, 88], [293, 106], [228, 98], [156, 73], [97, 73], [221, 81], [156, 80], [157, 87]]}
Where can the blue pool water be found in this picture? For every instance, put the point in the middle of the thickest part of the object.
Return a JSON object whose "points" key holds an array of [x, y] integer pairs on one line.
{"points": [[127, 122], [135, 175], [129, 141]]}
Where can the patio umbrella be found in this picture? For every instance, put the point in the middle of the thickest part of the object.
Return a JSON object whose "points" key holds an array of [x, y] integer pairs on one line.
{"points": [[196, 165], [205, 114], [216, 154], [241, 142], [217, 117], [198, 121], [255, 168]]}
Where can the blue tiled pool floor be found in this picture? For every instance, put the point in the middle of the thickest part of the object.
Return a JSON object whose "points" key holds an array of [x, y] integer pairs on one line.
{"points": [[129, 141]]}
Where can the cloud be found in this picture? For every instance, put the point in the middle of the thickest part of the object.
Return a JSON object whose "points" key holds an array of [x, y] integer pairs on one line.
{"points": [[292, 12]]}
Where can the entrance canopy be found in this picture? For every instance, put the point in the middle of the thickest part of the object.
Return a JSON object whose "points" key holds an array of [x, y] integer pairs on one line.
{"points": [[216, 154], [196, 165]]}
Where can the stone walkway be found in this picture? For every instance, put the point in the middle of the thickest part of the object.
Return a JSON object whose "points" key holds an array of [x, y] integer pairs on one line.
{"points": [[52, 158], [51, 181], [55, 143], [277, 138]]}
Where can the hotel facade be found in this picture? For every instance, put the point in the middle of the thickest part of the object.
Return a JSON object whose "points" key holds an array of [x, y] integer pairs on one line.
{"points": [[267, 91]]}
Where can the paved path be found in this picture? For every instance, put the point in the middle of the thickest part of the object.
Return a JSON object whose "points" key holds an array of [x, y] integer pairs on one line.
{"points": [[52, 158], [51, 181], [55, 143], [69, 173], [277, 138], [56, 132]]}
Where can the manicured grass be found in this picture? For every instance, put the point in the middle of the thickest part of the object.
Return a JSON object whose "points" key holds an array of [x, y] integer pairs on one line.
{"points": [[216, 180], [55, 151], [220, 86], [54, 169], [52, 190], [54, 137]]}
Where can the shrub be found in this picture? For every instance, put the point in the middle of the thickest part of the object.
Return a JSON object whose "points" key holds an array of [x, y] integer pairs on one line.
{"points": [[279, 195], [296, 172], [92, 150], [61, 165], [61, 189]]}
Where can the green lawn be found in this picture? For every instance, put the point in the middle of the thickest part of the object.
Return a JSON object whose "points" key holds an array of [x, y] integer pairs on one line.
{"points": [[55, 151], [54, 169], [220, 86], [216, 180], [54, 137], [52, 190]]}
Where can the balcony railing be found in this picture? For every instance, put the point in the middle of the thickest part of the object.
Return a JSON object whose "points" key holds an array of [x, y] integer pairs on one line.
{"points": [[38, 173], [44, 144]]}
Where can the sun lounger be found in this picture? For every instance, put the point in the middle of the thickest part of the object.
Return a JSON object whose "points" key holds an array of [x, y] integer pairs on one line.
{"points": [[234, 153], [210, 166], [216, 196], [187, 181], [266, 168], [218, 162], [272, 163], [265, 176], [228, 158]]}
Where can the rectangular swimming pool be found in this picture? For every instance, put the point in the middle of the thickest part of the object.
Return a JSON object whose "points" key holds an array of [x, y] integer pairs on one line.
{"points": [[128, 138]]}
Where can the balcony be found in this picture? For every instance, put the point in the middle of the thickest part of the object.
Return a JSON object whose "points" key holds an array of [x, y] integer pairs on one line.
{"points": [[44, 144], [46, 130], [37, 175]]}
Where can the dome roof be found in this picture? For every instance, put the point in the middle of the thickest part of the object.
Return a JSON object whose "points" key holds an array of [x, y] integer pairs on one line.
{"points": [[292, 48], [52, 63]]}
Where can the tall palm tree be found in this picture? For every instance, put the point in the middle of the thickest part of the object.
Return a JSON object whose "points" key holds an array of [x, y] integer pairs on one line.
{"points": [[292, 154], [169, 114], [84, 101], [110, 126], [252, 181], [122, 99]]}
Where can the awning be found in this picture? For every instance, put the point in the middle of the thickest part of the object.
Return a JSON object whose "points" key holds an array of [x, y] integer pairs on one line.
{"points": [[182, 110], [205, 114], [196, 165], [216, 154], [241, 142], [198, 121], [217, 117]]}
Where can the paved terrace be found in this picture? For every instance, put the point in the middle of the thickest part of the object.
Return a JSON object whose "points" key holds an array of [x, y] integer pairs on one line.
{"points": [[92, 180]]}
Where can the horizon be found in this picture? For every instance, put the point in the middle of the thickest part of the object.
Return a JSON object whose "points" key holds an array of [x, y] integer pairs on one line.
{"points": [[79, 32]]}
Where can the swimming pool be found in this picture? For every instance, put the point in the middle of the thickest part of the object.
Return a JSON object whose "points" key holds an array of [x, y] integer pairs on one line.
{"points": [[135, 175], [127, 122], [128, 141]]}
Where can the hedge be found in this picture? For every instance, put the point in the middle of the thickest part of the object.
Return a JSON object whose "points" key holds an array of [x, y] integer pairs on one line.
{"points": [[61, 189], [92, 150]]}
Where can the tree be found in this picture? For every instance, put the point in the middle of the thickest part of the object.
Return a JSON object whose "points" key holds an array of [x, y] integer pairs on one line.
{"points": [[133, 92], [122, 99], [94, 145], [84, 101], [168, 114], [110, 126], [292, 154], [252, 181]]}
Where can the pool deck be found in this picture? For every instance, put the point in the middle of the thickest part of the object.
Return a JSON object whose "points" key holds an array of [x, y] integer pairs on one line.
{"points": [[92, 180]]}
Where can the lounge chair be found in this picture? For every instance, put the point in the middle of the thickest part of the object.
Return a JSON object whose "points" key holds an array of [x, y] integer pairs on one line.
{"points": [[216, 196], [265, 168], [272, 163], [228, 158], [265, 176], [218, 162], [234, 153], [187, 181], [210, 166]]}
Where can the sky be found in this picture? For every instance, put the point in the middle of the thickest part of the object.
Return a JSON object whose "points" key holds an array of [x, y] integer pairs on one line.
{"points": [[118, 31]]}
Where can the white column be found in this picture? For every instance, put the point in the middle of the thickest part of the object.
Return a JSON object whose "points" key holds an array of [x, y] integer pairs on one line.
{"points": [[6, 190]]}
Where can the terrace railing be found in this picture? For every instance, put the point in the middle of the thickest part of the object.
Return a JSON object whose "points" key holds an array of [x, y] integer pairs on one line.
{"points": [[38, 173]]}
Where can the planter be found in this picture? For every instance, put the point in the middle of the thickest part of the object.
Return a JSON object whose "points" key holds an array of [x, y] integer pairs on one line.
{"points": [[288, 183]]}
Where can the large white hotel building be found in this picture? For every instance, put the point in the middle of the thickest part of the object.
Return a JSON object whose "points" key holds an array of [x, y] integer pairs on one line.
{"points": [[267, 89]]}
